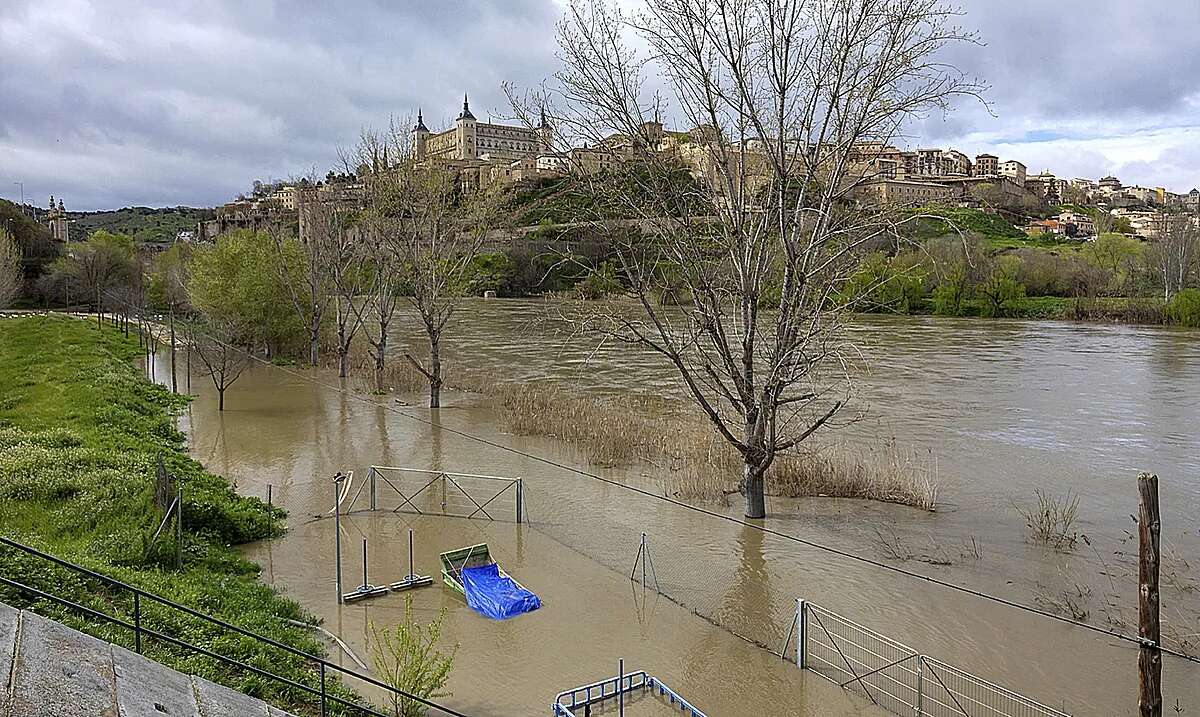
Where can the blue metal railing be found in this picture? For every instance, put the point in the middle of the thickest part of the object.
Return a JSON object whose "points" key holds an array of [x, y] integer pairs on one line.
{"points": [[570, 700]]}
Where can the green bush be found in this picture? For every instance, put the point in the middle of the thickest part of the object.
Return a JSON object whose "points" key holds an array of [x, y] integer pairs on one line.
{"points": [[1184, 308]]}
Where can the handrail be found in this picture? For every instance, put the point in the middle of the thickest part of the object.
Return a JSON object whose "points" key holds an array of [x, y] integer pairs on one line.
{"points": [[136, 626]]}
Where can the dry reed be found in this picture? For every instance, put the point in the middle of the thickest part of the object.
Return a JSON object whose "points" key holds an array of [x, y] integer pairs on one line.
{"points": [[693, 461], [696, 462]]}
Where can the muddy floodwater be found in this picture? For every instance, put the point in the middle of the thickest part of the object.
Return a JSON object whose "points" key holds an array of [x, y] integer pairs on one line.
{"points": [[1005, 407]]}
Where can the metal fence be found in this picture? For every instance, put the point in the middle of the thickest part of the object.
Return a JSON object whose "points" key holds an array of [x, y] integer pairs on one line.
{"points": [[896, 677], [466, 495]]}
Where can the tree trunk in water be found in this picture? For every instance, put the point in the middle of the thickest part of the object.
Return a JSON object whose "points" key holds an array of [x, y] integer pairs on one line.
{"points": [[752, 484], [435, 374], [379, 361], [174, 382], [314, 339], [220, 399]]}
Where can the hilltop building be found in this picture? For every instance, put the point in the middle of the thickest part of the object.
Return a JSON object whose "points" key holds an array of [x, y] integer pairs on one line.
{"points": [[470, 139], [59, 226]]}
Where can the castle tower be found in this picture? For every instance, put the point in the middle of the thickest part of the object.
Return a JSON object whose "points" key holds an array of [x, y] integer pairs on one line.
{"points": [[465, 124], [59, 227], [545, 133], [420, 137]]}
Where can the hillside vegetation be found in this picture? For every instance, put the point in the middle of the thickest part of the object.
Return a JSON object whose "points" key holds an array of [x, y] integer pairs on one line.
{"points": [[144, 224]]}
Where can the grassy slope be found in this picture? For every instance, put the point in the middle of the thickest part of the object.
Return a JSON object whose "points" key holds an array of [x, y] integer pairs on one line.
{"points": [[79, 432]]}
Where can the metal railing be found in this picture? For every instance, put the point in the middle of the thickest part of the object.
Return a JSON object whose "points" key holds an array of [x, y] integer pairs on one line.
{"points": [[465, 495], [894, 676], [568, 701], [327, 672]]}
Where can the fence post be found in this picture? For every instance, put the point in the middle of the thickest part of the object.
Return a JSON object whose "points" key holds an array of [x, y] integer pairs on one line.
{"points": [[801, 631], [337, 549], [1149, 655], [621, 687], [270, 500], [443, 493], [324, 709], [179, 529], [371, 478], [137, 622], [520, 500], [643, 551], [919, 707]]}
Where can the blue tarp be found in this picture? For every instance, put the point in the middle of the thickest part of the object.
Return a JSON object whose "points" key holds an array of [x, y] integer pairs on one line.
{"points": [[494, 595]]}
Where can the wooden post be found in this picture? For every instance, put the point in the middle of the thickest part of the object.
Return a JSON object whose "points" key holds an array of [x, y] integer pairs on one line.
{"points": [[1149, 654]]}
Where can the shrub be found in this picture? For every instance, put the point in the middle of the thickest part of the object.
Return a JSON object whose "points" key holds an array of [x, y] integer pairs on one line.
{"points": [[408, 658], [1184, 308], [1052, 522], [600, 283]]}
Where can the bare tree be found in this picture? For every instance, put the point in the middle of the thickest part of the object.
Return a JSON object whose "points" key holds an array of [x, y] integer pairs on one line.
{"points": [[380, 233], [11, 277], [1176, 256], [308, 290], [753, 209], [217, 344], [340, 272], [440, 221]]}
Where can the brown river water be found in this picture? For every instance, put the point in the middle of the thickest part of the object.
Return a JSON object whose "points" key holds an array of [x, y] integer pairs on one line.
{"points": [[1006, 407]]}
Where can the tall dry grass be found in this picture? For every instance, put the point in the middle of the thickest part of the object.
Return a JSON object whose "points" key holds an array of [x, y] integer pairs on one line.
{"points": [[695, 461]]}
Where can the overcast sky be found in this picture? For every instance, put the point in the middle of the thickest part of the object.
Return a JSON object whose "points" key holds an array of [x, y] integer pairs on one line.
{"points": [[121, 102]]}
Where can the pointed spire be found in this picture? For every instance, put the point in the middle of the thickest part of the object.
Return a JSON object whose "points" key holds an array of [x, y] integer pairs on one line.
{"points": [[466, 113], [420, 127], [544, 124]]}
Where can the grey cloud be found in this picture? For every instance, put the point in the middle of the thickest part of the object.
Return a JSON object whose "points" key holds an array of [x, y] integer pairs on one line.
{"points": [[122, 102]]}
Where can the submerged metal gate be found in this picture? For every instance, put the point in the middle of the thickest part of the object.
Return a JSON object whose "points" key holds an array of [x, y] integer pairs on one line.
{"points": [[895, 676]]}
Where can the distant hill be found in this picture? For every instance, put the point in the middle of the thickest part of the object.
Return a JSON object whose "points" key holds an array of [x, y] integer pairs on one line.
{"points": [[144, 224]]}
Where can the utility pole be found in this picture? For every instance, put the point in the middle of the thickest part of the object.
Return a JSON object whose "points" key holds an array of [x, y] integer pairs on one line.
{"points": [[1149, 654], [22, 186]]}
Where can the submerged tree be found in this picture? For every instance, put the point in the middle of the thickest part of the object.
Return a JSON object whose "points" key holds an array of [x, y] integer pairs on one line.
{"points": [[236, 282], [223, 356], [379, 229], [790, 101], [426, 223]]}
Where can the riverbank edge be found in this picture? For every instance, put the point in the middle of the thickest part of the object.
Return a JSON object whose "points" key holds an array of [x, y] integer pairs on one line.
{"points": [[81, 431]]}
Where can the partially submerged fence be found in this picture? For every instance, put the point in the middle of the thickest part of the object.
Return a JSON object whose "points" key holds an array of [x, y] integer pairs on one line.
{"points": [[569, 703], [431, 492], [894, 676], [466, 495]]}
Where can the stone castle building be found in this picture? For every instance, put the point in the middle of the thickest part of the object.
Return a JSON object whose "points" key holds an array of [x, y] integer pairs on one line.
{"points": [[469, 139]]}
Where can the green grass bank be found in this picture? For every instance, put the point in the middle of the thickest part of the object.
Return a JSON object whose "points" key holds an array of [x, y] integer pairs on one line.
{"points": [[80, 433]]}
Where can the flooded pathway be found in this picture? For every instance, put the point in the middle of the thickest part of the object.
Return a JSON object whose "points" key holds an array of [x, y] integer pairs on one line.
{"points": [[1007, 407]]}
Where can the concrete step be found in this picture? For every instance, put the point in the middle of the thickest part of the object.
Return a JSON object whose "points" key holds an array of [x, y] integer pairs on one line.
{"points": [[50, 670]]}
